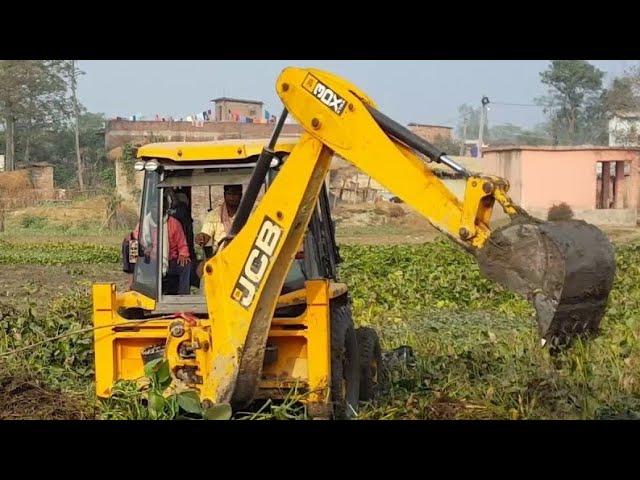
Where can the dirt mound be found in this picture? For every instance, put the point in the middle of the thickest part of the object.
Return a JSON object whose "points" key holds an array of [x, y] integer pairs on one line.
{"points": [[380, 213], [23, 398], [560, 212], [389, 209]]}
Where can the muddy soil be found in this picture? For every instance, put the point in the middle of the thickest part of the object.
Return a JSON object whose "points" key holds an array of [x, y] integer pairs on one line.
{"points": [[39, 284], [24, 398]]}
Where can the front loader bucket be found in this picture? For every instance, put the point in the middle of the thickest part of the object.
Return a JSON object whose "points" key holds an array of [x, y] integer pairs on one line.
{"points": [[565, 268]]}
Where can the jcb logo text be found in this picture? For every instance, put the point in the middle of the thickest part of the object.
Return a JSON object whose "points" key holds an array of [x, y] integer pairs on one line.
{"points": [[323, 93], [257, 262]]}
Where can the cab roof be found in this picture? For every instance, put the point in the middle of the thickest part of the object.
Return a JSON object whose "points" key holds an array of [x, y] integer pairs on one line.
{"points": [[229, 150]]}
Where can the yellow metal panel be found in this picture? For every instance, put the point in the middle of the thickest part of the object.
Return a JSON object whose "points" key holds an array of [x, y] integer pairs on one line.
{"points": [[298, 297], [319, 341], [231, 150], [278, 321], [129, 364], [117, 341], [291, 362], [133, 299], [103, 308], [287, 333]]}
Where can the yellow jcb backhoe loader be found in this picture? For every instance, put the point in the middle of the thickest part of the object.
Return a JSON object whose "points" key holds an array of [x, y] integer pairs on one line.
{"points": [[270, 318]]}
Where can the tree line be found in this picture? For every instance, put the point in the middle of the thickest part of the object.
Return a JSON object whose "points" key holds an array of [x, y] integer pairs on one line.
{"points": [[42, 121], [577, 107]]}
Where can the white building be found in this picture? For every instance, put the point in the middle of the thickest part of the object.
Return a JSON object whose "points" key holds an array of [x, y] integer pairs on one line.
{"points": [[624, 129]]}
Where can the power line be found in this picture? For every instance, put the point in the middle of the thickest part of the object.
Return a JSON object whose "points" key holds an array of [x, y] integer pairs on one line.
{"points": [[518, 104], [466, 115]]}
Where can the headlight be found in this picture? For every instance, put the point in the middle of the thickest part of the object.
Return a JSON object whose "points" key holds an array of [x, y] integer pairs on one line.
{"points": [[151, 166], [139, 166]]}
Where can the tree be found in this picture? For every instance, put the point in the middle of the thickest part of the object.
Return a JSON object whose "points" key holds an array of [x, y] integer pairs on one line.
{"points": [[574, 100], [72, 74], [468, 127], [32, 96], [58, 147], [509, 134], [623, 95], [594, 129], [469, 122], [91, 137], [448, 145]]}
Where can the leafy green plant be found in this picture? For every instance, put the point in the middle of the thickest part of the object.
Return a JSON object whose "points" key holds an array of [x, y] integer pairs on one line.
{"points": [[59, 354], [33, 221], [183, 405], [128, 162], [407, 278], [56, 253], [125, 403], [107, 178], [290, 408]]}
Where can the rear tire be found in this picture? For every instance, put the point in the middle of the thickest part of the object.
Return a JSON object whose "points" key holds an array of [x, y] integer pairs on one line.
{"points": [[372, 371], [345, 365]]}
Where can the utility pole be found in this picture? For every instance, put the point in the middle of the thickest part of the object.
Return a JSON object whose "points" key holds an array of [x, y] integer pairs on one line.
{"points": [[483, 116], [76, 114]]}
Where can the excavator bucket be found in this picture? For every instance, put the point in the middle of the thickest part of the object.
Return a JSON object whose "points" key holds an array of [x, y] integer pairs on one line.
{"points": [[565, 268]]}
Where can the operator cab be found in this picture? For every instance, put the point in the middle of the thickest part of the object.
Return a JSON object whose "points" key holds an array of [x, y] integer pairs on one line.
{"points": [[186, 190]]}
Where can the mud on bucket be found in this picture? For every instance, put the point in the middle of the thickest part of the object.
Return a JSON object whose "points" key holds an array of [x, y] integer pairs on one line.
{"points": [[565, 268]]}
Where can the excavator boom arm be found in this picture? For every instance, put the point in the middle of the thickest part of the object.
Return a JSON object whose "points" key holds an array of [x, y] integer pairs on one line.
{"points": [[347, 122]]}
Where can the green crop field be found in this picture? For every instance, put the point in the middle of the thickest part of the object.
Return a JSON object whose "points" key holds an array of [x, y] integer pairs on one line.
{"points": [[477, 353]]}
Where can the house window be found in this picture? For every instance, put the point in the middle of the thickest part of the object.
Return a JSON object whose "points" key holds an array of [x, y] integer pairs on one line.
{"points": [[252, 111]]}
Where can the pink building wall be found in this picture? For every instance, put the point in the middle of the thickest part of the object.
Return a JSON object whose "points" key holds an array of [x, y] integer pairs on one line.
{"points": [[543, 176], [506, 164]]}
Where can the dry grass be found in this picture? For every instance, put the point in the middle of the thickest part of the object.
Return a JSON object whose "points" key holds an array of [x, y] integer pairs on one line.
{"points": [[101, 219], [14, 182], [65, 213]]}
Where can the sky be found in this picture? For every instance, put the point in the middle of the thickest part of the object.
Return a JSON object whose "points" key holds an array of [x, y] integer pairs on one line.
{"points": [[421, 91]]}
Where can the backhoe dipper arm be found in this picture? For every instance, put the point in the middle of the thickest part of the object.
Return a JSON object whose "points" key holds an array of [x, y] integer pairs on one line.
{"points": [[243, 281]]}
